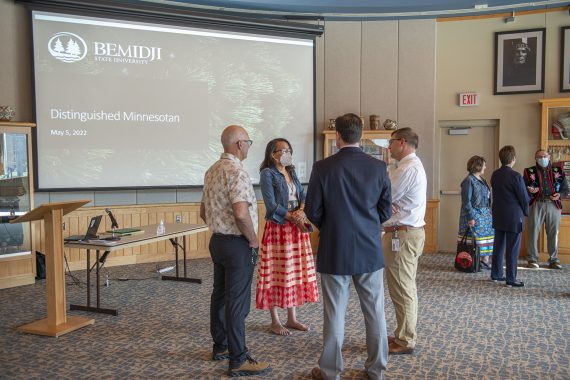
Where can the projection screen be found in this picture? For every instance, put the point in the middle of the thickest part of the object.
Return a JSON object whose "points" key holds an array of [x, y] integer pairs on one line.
{"points": [[124, 104]]}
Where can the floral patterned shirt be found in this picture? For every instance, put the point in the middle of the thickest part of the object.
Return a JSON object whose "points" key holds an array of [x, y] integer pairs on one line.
{"points": [[225, 183]]}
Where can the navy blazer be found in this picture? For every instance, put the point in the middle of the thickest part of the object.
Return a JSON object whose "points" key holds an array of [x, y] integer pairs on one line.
{"points": [[348, 199], [510, 200]]}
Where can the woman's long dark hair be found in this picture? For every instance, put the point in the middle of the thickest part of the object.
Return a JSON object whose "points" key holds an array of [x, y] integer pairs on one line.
{"points": [[268, 159]]}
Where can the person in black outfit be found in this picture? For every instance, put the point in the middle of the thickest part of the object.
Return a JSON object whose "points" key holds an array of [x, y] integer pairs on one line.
{"points": [[509, 207]]}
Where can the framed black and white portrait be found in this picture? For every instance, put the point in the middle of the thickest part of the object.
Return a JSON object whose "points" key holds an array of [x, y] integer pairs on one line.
{"points": [[565, 60], [519, 61]]}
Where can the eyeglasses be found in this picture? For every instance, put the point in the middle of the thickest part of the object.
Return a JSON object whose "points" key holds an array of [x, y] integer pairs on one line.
{"points": [[392, 140], [249, 142], [283, 151]]}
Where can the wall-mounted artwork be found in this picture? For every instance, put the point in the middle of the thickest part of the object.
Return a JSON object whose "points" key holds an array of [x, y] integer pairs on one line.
{"points": [[565, 60], [519, 61]]}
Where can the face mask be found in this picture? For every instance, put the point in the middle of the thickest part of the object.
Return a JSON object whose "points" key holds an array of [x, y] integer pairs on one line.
{"points": [[286, 159], [543, 162]]}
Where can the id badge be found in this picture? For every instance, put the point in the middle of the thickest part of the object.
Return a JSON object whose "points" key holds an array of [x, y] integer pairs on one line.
{"points": [[395, 242]]}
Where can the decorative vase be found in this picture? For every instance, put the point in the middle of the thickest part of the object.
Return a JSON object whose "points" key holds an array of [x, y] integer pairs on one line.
{"points": [[390, 124], [332, 124], [7, 113], [374, 122], [362, 120]]}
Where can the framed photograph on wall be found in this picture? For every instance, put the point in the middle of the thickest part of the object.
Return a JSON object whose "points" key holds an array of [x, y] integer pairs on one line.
{"points": [[565, 60], [519, 61]]}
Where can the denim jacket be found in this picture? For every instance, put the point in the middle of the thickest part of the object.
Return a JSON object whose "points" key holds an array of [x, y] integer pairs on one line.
{"points": [[475, 194], [276, 193]]}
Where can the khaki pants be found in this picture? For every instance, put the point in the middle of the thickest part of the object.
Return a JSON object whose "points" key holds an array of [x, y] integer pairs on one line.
{"points": [[401, 268]]}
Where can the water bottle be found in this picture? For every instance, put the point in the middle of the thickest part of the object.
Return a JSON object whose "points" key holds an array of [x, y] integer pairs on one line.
{"points": [[161, 228]]}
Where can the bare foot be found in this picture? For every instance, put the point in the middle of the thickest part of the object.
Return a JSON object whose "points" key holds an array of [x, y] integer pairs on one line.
{"points": [[297, 326], [278, 329]]}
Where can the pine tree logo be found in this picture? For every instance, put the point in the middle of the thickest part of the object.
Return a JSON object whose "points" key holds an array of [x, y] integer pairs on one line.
{"points": [[67, 47]]}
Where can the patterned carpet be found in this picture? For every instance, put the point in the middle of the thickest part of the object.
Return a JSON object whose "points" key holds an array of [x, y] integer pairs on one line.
{"points": [[469, 328]]}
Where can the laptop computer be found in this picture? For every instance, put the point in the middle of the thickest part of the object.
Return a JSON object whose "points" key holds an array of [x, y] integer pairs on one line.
{"points": [[91, 230]]}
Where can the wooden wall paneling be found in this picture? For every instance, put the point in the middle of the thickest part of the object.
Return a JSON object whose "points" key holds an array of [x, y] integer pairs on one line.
{"points": [[132, 216], [72, 228], [197, 245], [431, 219], [191, 217], [16, 271], [136, 221], [144, 222], [82, 225]]}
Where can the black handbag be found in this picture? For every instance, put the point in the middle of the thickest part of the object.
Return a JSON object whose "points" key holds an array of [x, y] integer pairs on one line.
{"points": [[467, 257]]}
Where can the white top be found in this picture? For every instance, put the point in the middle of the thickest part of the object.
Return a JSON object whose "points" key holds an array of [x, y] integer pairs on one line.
{"points": [[292, 191], [409, 192]]}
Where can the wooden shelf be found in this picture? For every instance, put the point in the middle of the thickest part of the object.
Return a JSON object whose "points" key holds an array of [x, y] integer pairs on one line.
{"points": [[18, 267], [17, 124], [558, 142], [551, 109], [432, 210], [367, 134]]}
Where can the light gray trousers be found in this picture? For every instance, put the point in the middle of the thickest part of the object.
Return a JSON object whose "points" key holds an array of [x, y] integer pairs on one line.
{"points": [[549, 214], [370, 290]]}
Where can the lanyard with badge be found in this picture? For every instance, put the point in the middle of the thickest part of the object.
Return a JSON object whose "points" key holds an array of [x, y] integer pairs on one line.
{"points": [[395, 241]]}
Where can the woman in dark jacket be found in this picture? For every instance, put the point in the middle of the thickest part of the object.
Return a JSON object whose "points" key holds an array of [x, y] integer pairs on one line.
{"points": [[476, 209], [286, 270]]}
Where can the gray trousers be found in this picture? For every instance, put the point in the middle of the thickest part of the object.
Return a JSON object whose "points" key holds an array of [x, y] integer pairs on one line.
{"points": [[370, 289], [549, 214]]}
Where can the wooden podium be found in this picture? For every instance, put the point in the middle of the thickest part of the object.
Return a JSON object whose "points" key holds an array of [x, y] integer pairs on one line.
{"points": [[56, 323]]}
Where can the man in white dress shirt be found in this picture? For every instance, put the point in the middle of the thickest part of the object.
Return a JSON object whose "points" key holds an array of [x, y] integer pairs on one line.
{"points": [[403, 241]]}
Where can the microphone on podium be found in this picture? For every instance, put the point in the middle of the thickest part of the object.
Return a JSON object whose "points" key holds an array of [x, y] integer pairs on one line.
{"points": [[114, 225]]}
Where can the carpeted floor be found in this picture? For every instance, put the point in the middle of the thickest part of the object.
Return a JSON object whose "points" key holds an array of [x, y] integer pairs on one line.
{"points": [[469, 328]]}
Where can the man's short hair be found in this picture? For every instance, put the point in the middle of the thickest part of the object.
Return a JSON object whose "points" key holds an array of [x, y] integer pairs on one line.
{"points": [[407, 134], [507, 154], [349, 126], [475, 164]]}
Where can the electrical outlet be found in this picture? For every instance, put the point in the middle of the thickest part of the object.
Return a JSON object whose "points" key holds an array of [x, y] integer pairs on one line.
{"points": [[178, 218]]}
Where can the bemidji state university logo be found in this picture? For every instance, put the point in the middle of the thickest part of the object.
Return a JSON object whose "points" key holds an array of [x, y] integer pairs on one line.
{"points": [[67, 47]]}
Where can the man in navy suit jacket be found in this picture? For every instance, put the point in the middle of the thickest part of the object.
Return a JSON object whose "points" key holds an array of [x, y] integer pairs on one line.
{"points": [[510, 206], [348, 199]]}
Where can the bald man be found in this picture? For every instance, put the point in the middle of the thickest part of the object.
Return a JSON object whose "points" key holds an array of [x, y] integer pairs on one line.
{"points": [[229, 208]]}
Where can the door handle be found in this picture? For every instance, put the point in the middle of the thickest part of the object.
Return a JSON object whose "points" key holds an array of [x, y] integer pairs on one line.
{"points": [[450, 192]]}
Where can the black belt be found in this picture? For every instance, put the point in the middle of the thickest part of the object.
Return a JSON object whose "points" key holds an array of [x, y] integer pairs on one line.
{"points": [[400, 228], [217, 234]]}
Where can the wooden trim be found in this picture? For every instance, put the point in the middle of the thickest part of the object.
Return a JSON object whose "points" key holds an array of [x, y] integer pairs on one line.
{"points": [[431, 228], [16, 124], [500, 15], [23, 279]]}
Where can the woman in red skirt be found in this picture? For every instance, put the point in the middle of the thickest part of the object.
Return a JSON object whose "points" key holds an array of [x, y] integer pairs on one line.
{"points": [[286, 271]]}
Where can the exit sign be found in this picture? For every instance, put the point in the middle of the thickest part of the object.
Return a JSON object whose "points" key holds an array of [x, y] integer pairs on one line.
{"points": [[468, 99]]}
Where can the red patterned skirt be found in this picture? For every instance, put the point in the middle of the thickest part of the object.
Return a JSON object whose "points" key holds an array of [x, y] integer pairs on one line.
{"points": [[286, 275]]}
